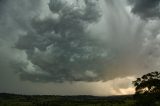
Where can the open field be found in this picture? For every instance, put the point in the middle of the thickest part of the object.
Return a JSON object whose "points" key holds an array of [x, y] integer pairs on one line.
{"points": [[54, 100], [51, 100]]}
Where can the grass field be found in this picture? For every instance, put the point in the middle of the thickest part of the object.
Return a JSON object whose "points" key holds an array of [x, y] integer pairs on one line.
{"points": [[50, 100], [53, 100]]}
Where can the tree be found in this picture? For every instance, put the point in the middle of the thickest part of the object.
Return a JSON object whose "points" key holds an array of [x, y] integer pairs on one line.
{"points": [[147, 89]]}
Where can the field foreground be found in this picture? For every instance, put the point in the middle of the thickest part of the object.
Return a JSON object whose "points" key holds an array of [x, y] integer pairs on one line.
{"points": [[53, 100]]}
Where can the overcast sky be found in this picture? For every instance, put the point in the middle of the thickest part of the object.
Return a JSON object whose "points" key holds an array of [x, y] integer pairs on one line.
{"points": [[77, 47]]}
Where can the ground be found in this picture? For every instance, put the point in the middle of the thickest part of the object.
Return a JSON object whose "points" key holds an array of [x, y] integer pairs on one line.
{"points": [[52, 100]]}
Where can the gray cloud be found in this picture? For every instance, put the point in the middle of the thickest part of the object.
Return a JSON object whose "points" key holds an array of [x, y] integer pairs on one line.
{"points": [[60, 46], [14, 20], [61, 49], [146, 8], [85, 41]]}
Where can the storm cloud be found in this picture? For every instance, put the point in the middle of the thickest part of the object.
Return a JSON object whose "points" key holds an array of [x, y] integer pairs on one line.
{"points": [[60, 47], [146, 8], [78, 40]]}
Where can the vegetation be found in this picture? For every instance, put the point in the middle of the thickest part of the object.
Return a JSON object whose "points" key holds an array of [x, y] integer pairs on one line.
{"points": [[42, 100], [147, 89]]}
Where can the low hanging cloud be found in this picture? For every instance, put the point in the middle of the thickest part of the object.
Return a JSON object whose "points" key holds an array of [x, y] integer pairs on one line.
{"points": [[75, 40], [146, 9], [60, 49]]}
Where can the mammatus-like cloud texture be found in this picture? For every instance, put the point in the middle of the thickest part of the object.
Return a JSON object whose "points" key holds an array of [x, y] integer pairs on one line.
{"points": [[60, 48], [77, 40]]}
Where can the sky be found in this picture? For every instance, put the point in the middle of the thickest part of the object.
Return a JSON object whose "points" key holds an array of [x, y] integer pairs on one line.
{"points": [[77, 47]]}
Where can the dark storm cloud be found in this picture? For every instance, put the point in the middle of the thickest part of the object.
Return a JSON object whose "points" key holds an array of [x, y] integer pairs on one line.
{"points": [[61, 49], [146, 8], [71, 40], [2, 2]]}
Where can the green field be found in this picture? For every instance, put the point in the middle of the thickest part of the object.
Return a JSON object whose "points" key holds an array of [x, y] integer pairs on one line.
{"points": [[50, 100]]}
